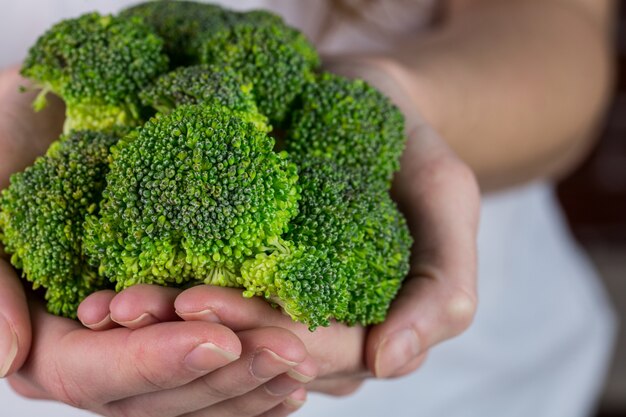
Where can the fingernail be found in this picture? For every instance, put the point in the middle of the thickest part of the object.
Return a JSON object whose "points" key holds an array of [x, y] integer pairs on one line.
{"points": [[281, 386], [267, 364], [8, 346], [395, 351], [203, 315], [144, 319], [293, 403], [207, 356], [97, 326], [299, 376]]}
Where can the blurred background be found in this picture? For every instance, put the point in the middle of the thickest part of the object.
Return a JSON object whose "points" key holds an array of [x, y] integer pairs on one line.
{"points": [[594, 198]]}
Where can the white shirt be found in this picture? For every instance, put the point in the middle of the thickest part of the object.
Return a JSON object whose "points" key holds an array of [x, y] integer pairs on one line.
{"points": [[541, 339]]}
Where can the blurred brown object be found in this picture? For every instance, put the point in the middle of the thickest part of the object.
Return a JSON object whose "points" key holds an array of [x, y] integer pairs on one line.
{"points": [[594, 199]]}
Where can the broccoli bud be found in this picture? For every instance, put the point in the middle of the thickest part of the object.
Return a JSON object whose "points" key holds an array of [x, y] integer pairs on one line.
{"points": [[179, 24], [42, 214], [350, 123], [345, 254], [97, 65], [189, 196], [203, 84], [277, 59]]}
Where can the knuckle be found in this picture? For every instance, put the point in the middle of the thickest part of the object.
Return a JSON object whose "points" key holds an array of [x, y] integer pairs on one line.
{"points": [[215, 391]]}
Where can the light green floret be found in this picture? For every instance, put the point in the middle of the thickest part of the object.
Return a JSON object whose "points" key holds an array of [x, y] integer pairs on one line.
{"points": [[203, 84], [42, 214], [97, 65], [179, 24], [277, 59], [190, 196], [345, 254], [350, 123]]}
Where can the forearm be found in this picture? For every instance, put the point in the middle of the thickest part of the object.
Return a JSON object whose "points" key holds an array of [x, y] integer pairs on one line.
{"points": [[24, 134], [515, 87]]}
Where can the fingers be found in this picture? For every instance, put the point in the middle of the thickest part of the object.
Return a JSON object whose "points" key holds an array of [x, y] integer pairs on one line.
{"points": [[134, 307], [94, 311], [248, 386], [15, 328], [126, 362], [337, 348], [141, 305], [440, 197]]}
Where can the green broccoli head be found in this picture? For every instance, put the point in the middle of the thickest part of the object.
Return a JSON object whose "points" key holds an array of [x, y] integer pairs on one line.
{"points": [[344, 256], [97, 65], [275, 58], [180, 23], [42, 214], [350, 123], [202, 84], [190, 195]]}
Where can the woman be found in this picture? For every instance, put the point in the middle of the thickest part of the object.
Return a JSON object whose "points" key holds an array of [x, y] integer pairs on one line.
{"points": [[515, 89]]}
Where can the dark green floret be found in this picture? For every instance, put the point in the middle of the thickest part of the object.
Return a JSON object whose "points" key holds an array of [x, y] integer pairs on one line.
{"points": [[202, 84], [344, 256], [190, 196], [97, 65], [350, 123], [179, 24], [42, 214], [275, 58]]}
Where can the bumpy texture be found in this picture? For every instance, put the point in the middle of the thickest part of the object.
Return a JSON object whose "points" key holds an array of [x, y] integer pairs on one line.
{"points": [[344, 256], [180, 24], [42, 215], [190, 196], [202, 84], [350, 123], [97, 65], [275, 58]]}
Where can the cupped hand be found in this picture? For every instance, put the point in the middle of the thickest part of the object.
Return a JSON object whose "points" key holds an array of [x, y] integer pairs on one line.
{"points": [[165, 369]]}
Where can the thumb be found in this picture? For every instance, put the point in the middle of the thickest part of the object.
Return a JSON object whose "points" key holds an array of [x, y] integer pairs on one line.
{"points": [[15, 329]]}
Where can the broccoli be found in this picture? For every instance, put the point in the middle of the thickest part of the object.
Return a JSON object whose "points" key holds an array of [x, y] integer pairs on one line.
{"points": [[275, 58], [202, 84], [180, 23], [350, 123], [42, 214], [199, 193], [97, 65], [190, 196], [344, 256]]}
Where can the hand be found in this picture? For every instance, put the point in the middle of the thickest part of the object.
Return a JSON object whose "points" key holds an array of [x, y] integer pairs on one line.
{"points": [[167, 369]]}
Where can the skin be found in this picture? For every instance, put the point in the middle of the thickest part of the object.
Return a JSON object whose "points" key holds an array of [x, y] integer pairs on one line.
{"points": [[455, 82]]}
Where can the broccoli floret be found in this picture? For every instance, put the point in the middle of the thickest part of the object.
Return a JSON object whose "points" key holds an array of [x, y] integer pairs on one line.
{"points": [[344, 256], [277, 59], [350, 123], [189, 196], [97, 65], [180, 23], [42, 214], [202, 84]]}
